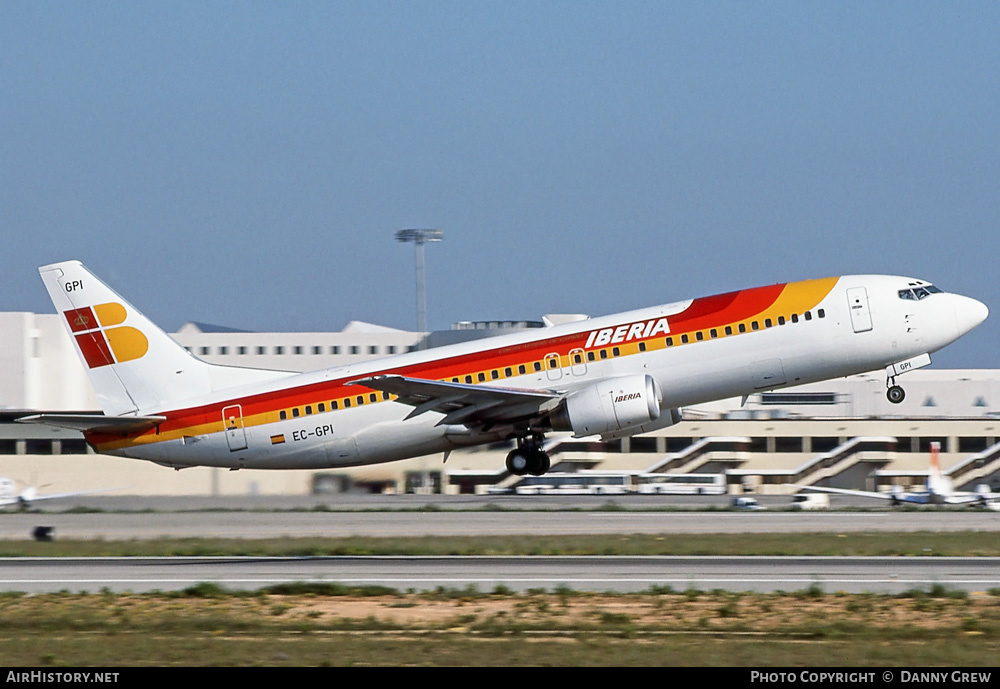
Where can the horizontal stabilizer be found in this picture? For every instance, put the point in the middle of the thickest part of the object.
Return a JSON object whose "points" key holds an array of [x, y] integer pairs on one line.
{"points": [[93, 422]]}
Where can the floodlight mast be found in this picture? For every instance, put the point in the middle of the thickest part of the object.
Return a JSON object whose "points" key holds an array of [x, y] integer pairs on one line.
{"points": [[419, 238]]}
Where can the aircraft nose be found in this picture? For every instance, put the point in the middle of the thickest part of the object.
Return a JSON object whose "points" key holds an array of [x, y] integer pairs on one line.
{"points": [[969, 313]]}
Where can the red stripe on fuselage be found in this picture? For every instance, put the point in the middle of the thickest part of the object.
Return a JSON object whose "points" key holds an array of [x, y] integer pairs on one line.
{"points": [[703, 313]]}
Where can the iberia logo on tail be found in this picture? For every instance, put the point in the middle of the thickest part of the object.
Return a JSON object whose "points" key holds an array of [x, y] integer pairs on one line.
{"points": [[100, 343]]}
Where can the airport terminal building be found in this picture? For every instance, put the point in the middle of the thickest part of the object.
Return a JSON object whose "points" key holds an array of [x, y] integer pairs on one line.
{"points": [[840, 433]]}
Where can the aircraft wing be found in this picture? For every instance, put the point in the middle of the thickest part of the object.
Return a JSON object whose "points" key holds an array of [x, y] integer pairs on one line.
{"points": [[983, 497], [30, 495], [57, 496], [95, 422], [859, 493], [462, 403]]}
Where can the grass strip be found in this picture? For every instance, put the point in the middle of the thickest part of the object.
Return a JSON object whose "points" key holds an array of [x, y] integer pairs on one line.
{"points": [[873, 544]]}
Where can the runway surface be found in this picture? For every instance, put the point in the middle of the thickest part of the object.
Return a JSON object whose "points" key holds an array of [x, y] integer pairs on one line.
{"points": [[275, 524], [619, 574], [401, 516]]}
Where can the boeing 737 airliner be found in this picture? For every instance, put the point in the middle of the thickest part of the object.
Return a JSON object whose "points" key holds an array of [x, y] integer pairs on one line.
{"points": [[612, 376]]}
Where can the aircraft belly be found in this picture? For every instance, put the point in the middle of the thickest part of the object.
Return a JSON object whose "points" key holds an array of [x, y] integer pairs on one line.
{"points": [[734, 371], [389, 441], [197, 450]]}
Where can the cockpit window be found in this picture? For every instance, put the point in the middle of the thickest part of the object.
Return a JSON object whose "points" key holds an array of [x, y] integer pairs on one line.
{"points": [[918, 293]]}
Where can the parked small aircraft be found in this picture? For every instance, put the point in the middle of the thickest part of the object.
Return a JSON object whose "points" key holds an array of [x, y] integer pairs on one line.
{"points": [[938, 490]]}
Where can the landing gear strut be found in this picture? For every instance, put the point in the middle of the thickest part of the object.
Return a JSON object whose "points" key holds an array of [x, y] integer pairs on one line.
{"points": [[529, 457], [894, 394]]}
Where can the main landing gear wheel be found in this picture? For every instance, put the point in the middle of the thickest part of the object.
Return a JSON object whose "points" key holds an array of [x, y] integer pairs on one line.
{"points": [[528, 458], [895, 394]]}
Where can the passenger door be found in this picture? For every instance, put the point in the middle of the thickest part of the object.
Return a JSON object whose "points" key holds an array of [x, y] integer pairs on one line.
{"points": [[857, 303]]}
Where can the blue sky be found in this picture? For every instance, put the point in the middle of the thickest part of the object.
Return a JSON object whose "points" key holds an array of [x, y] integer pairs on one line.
{"points": [[248, 163]]}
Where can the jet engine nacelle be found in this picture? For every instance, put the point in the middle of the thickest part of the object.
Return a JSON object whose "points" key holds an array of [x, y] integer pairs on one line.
{"points": [[610, 407]]}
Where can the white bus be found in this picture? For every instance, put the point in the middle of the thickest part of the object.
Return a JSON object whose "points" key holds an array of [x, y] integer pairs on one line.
{"points": [[576, 483], [681, 484]]}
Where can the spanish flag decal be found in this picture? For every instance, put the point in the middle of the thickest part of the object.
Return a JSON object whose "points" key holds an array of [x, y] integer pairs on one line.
{"points": [[278, 439], [100, 343]]}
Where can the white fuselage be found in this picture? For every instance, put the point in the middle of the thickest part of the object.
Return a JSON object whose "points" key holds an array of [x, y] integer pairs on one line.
{"points": [[861, 324]]}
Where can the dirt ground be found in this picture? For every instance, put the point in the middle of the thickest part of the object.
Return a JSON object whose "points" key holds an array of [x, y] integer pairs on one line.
{"points": [[678, 611]]}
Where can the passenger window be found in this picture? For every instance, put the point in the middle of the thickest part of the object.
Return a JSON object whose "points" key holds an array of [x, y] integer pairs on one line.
{"points": [[333, 405], [295, 413], [494, 374], [507, 373], [729, 330], [373, 398], [468, 379], [754, 325], [361, 400], [591, 356], [767, 322], [616, 352], [795, 318], [821, 313], [309, 410], [808, 315], [781, 320], [743, 327], [642, 346], [481, 377], [521, 369], [699, 336], [684, 338], [283, 415], [347, 402], [714, 333], [670, 342]]}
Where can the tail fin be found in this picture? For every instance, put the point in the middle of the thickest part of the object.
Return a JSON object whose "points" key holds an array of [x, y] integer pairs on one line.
{"points": [[133, 365], [936, 460], [937, 482]]}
